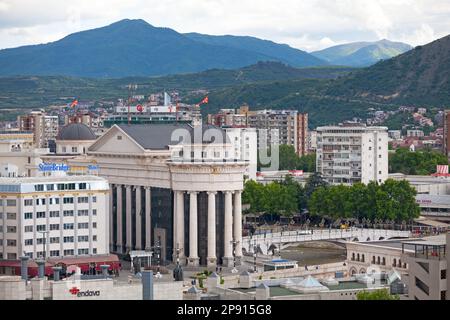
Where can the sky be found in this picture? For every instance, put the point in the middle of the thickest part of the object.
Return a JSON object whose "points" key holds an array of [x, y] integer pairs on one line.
{"points": [[304, 24]]}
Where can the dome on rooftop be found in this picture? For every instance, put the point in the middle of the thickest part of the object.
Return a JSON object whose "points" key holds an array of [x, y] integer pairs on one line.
{"points": [[76, 131]]}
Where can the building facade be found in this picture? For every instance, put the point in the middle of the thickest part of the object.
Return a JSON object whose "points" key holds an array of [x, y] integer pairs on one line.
{"points": [[350, 154], [245, 141], [44, 127], [53, 217], [170, 191], [428, 274]]}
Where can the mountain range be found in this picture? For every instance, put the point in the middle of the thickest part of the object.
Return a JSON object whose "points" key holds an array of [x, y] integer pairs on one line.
{"points": [[362, 54], [133, 48]]}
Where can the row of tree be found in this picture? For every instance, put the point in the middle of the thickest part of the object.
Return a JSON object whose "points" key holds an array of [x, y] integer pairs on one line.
{"points": [[393, 200]]}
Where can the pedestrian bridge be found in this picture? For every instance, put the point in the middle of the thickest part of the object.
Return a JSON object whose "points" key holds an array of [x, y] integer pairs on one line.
{"points": [[267, 242]]}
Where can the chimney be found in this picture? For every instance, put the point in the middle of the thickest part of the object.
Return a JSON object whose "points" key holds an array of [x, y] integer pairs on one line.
{"points": [[24, 267]]}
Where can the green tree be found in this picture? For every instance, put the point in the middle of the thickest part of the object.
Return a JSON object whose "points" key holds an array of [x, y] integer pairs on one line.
{"points": [[382, 294], [307, 163], [416, 163], [289, 160]]}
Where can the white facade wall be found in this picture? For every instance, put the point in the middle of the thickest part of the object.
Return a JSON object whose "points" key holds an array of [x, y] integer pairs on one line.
{"points": [[80, 214]]}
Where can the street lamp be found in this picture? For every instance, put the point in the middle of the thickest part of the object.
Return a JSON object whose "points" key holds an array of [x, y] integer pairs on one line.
{"points": [[44, 233]]}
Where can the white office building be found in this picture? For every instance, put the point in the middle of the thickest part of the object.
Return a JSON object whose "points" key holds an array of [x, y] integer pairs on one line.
{"points": [[60, 216], [351, 154]]}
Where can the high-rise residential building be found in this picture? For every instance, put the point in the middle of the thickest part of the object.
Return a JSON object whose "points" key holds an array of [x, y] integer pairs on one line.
{"points": [[282, 127], [349, 154], [53, 216], [447, 132], [44, 127], [288, 127]]}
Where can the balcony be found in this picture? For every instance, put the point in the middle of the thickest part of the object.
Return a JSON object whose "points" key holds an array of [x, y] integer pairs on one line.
{"points": [[428, 251]]}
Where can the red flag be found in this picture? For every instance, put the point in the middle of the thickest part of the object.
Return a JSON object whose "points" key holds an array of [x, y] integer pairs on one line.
{"points": [[205, 101], [74, 103]]}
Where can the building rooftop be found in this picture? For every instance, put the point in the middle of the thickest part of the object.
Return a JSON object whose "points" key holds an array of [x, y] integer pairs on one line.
{"points": [[159, 136], [48, 179], [76, 132]]}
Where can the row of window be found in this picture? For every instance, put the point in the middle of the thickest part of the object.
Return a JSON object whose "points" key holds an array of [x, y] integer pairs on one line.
{"points": [[56, 253], [56, 227], [51, 201], [60, 187], [57, 240], [56, 214]]}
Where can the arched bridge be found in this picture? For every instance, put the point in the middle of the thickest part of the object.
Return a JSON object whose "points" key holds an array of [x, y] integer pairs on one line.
{"points": [[265, 242]]}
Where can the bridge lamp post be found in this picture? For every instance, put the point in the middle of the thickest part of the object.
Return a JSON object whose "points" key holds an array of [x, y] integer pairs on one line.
{"points": [[255, 253]]}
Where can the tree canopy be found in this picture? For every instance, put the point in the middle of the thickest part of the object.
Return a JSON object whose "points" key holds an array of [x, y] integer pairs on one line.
{"points": [[416, 163], [376, 295], [290, 160]]}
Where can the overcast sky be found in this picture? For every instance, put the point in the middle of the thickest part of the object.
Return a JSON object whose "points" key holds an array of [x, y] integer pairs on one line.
{"points": [[304, 24]]}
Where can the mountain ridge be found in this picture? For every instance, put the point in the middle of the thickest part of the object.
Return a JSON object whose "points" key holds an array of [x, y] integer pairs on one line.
{"points": [[127, 48]]}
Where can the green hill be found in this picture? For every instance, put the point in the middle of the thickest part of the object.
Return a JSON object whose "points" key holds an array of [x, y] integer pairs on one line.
{"points": [[362, 54]]}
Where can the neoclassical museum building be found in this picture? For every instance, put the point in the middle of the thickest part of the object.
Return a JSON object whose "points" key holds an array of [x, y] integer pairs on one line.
{"points": [[172, 186]]}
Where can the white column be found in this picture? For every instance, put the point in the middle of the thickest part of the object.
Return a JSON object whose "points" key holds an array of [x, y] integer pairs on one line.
{"points": [[193, 230], [119, 219], [109, 214], [148, 219], [237, 223], [180, 224], [138, 218], [129, 243], [212, 256], [228, 236]]}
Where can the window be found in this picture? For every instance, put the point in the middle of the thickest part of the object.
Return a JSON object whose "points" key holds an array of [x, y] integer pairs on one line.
{"points": [[40, 215], [28, 254], [41, 227], [29, 242], [83, 213], [28, 215], [83, 226], [56, 200], [54, 214], [94, 199], [12, 256], [83, 200], [94, 212], [28, 229], [83, 252], [50, 187], [94, 238], [94, 251], [83, 238], [54, 240], [39, 187], [11, 243], [68, 226], [119, 137], [54, 253], [82, 186], [40, 241], [54, 227], [11, 229], [11, 216], [68, 239], [74, 149], [68, 213], [94, 225], [68, 252], [28, 202], [68, 200], [443, 274], [422, 286]]}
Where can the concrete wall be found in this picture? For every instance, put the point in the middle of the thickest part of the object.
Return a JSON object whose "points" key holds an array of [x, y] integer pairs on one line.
{"points": [[12, 288]]}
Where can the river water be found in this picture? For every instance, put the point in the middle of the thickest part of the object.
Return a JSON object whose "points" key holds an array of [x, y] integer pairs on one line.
{"points": [[317, 254]]}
